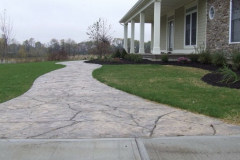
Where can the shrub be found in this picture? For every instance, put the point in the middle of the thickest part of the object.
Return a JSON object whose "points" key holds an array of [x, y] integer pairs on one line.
{"points": [[117, 54], [58, 56], [205, 57], [236, 60], [133, 58], [219, 59], [124, 53], [194, 57], [165, 58], [229, 76], [183, 60]]}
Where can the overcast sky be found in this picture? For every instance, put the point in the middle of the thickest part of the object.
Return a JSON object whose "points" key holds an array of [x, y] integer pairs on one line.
{"points": [[63, 19]]}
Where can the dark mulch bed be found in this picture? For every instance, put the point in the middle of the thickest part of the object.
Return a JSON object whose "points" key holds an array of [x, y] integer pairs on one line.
{"points": [[121, 62], [213, 78], [216, 78]]}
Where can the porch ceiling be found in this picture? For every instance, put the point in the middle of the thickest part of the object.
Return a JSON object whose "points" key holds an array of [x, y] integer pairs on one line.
{"points": [[147, 6]]}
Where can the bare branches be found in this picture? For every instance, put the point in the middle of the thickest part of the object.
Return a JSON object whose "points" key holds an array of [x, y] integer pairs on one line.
{"points": [[100, 34], [6, 28]]}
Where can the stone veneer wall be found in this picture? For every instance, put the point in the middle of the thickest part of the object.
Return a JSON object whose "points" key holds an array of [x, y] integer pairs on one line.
{"points": [[218, 28]]}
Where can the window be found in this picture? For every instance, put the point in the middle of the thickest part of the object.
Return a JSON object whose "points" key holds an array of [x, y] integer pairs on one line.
{"points": [[191, 27], [211, 12], [235, 21]]}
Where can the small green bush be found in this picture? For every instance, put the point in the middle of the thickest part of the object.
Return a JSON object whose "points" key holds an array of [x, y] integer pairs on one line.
{"points": [[236, 60], [165, 58], [117, 54], [124, 53], [219, 59], [194, 57], [133, 58], [229, 76], [205, 57]]}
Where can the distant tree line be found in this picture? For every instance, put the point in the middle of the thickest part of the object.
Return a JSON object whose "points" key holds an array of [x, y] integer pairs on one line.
{"points": [[32, 48], [100, 43]]}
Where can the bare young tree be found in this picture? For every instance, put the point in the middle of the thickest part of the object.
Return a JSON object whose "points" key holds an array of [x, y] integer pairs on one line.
{"points": [[100, 34], [6, 31]]}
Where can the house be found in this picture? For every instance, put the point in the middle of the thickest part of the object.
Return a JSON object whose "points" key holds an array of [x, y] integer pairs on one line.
{"points": [[181, 26]]}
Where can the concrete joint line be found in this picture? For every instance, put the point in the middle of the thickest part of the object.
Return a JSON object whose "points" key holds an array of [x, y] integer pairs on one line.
{"points": [[141, 149]]}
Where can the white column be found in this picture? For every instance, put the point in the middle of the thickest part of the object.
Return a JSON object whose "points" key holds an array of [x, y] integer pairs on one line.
{"points": [[142, 30], [157, 24], [152, 36], [132, 49], [126, 37]]}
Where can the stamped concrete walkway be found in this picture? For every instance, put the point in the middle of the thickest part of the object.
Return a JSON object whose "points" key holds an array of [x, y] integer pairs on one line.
{"points": [[69, 103]]}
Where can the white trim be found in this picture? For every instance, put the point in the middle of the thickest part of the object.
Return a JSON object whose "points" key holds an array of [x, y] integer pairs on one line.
{"points": [[206, 25], [230, 26], [230, 23], [170, 14], [157, 27], [185, 51], [126, 37], [141, 10], [185, 15], [132, 47], [167, 33], [167, 38], [180, 51], [142, 33], [211, 17]]}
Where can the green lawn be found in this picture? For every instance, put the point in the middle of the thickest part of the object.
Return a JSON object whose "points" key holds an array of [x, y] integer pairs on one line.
{"points": [[176, 86], [16, 79]]}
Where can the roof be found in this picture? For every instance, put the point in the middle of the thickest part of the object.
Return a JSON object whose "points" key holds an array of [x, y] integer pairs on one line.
{"points": [[133, 10]]}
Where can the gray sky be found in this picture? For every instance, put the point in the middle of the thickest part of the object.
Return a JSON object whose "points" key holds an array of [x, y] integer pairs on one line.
{"points": [[63, 19]]}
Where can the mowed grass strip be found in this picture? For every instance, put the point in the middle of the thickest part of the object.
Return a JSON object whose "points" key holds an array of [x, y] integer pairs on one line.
{"points": [[176, 86], [16, 79]]}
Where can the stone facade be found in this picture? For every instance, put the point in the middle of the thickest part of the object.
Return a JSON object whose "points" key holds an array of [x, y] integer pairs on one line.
{"points": [[218, 27]]}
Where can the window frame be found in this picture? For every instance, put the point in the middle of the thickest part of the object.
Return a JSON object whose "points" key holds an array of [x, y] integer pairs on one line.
{"points": [[185, 16], [230, 25]]}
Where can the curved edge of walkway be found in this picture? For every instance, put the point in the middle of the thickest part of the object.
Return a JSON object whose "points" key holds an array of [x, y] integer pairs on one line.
{"points": [[70, 103]]}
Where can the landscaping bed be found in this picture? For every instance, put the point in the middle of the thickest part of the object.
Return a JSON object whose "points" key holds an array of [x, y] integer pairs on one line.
{"points": [[214, 78], [145, 61]]}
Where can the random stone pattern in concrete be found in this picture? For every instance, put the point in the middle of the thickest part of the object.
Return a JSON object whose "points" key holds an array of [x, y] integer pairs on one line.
{"points": [[70, 103]]}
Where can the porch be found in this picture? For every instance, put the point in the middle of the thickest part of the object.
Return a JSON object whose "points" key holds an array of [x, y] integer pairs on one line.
{"points": [[158, 57], [177, 26]]}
